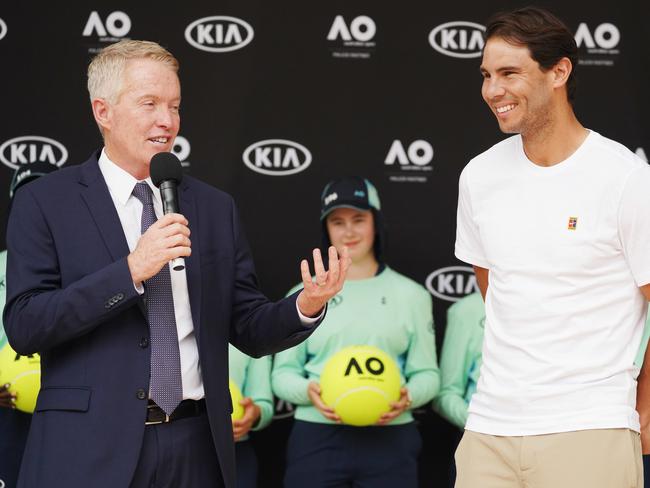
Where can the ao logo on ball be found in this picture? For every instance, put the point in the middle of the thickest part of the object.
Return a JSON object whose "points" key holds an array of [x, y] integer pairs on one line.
{"points": [[359, 383]]}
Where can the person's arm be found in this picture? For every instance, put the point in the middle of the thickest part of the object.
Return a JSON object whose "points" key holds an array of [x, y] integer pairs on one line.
{"points": [[482, 279], [258, 398], [643, 391], [634, 235], [260, 327], [450, 402], [645, 289], [421, 365], [258, 388], [288, 377], [40, 313]]}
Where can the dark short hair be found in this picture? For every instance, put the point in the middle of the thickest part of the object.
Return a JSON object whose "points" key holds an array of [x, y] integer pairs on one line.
{"points": [[547, 38]]}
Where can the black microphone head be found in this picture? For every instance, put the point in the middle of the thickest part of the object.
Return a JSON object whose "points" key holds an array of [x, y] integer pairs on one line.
{"points": [[165, 166]]}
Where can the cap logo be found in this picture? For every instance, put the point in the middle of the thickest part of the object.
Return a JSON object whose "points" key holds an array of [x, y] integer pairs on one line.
{"points": [[23, 175], [330, 198], [359, 193]]}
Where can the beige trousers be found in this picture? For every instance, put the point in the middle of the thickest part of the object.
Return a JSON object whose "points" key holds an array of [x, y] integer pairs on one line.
{"points": [[599, 458]]}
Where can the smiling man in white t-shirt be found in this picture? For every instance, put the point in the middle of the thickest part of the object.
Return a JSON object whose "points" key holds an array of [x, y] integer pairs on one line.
{"points": [[556, 222]]}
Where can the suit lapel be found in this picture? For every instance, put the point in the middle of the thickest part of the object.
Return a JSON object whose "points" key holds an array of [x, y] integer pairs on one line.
{"points": [[100, 205], [189, 209]]}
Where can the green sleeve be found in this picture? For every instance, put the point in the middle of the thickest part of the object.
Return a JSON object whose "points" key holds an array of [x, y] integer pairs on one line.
{"points": [[258, 388], [644, 343], [450, 402], [421, 366], [288, 377]]}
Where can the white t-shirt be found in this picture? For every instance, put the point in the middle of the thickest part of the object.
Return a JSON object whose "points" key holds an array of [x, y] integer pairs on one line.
{"points": [[567, 247]]}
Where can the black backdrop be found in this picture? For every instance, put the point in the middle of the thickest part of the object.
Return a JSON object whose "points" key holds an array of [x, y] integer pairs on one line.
{"points": [[383, 89]]}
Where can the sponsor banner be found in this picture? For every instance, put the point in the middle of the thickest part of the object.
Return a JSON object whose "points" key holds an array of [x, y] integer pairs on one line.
{"points": [[182, 149], [29, 149], [108, 29], [3, 29], [409, 162], [597, 46], [452, 283], [277, 157], [353, 39], [219, 34], [458, 39]]}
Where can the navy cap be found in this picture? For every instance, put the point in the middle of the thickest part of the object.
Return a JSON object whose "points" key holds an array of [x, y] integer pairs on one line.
{"points": [[352, 192], [28, 172]]}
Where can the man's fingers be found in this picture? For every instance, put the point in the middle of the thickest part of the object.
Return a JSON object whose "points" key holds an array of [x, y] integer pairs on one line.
{"points": [[175, 229], [171, 218], [304, 273], [319, 268], [333, 270]]}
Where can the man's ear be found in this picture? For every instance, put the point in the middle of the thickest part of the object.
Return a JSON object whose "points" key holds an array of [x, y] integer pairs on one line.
{"points": [[561, 72], [102, 112]]}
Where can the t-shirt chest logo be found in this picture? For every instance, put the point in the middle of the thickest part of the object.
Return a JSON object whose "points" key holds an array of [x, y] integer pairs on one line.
{"points": [[573, 223]]}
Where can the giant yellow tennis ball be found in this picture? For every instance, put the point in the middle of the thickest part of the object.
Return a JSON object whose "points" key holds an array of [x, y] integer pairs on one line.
{"points": [[23, 373], [235, 396], [359, 383]]}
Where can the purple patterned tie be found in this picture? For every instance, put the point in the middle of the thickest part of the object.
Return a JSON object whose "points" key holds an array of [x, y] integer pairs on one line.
{"points": [[166, 387]]}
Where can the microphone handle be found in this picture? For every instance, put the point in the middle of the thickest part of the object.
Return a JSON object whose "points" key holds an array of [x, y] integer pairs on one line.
{"points": [[169, 197]]}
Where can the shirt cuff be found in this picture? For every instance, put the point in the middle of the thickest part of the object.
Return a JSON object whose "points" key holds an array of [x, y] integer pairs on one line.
{"points": [[139, 288], [309, 320]]}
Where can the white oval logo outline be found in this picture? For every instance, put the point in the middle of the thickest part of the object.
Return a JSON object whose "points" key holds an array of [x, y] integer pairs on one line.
{"points": [[61, 147], [3, 29], [434, 274], [300, 147], [234, 20], [440, 49]]}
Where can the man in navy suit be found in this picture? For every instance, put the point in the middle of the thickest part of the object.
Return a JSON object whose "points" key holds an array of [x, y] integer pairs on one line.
{"points": [[80, 271]]}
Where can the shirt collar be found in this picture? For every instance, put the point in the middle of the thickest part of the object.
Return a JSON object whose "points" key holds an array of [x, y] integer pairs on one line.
{"points": [[121, 183]]}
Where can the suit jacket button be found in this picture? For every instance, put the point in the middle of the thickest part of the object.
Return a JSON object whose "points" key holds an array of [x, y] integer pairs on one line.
{"points": [[141, 394], [144, 342]]}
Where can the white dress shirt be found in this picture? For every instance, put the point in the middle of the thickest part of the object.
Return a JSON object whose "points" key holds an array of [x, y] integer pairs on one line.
{"points": [[129, 209]]}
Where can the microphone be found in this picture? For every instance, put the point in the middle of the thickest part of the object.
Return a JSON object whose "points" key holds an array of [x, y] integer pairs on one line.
{"points": [[167, 173]]}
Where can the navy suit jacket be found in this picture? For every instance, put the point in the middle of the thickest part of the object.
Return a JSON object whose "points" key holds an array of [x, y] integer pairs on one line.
{"points": [[70, 297]]}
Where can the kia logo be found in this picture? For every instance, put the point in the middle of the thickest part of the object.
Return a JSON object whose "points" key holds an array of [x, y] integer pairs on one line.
{"points": [[459, 39], [3, 32], [452, 283], [277, 157], [29, 149], [219, 34]]}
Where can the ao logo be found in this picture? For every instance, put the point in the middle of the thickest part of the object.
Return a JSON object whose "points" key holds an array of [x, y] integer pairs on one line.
{"points": [[452, 283], [117, 24], [419, 153], [182, 149], [29, 149], [459, 39], [277, 157], [219, 34], [373, 365], [606, 36], [3, 32], [361, 28], [283, 410]]}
